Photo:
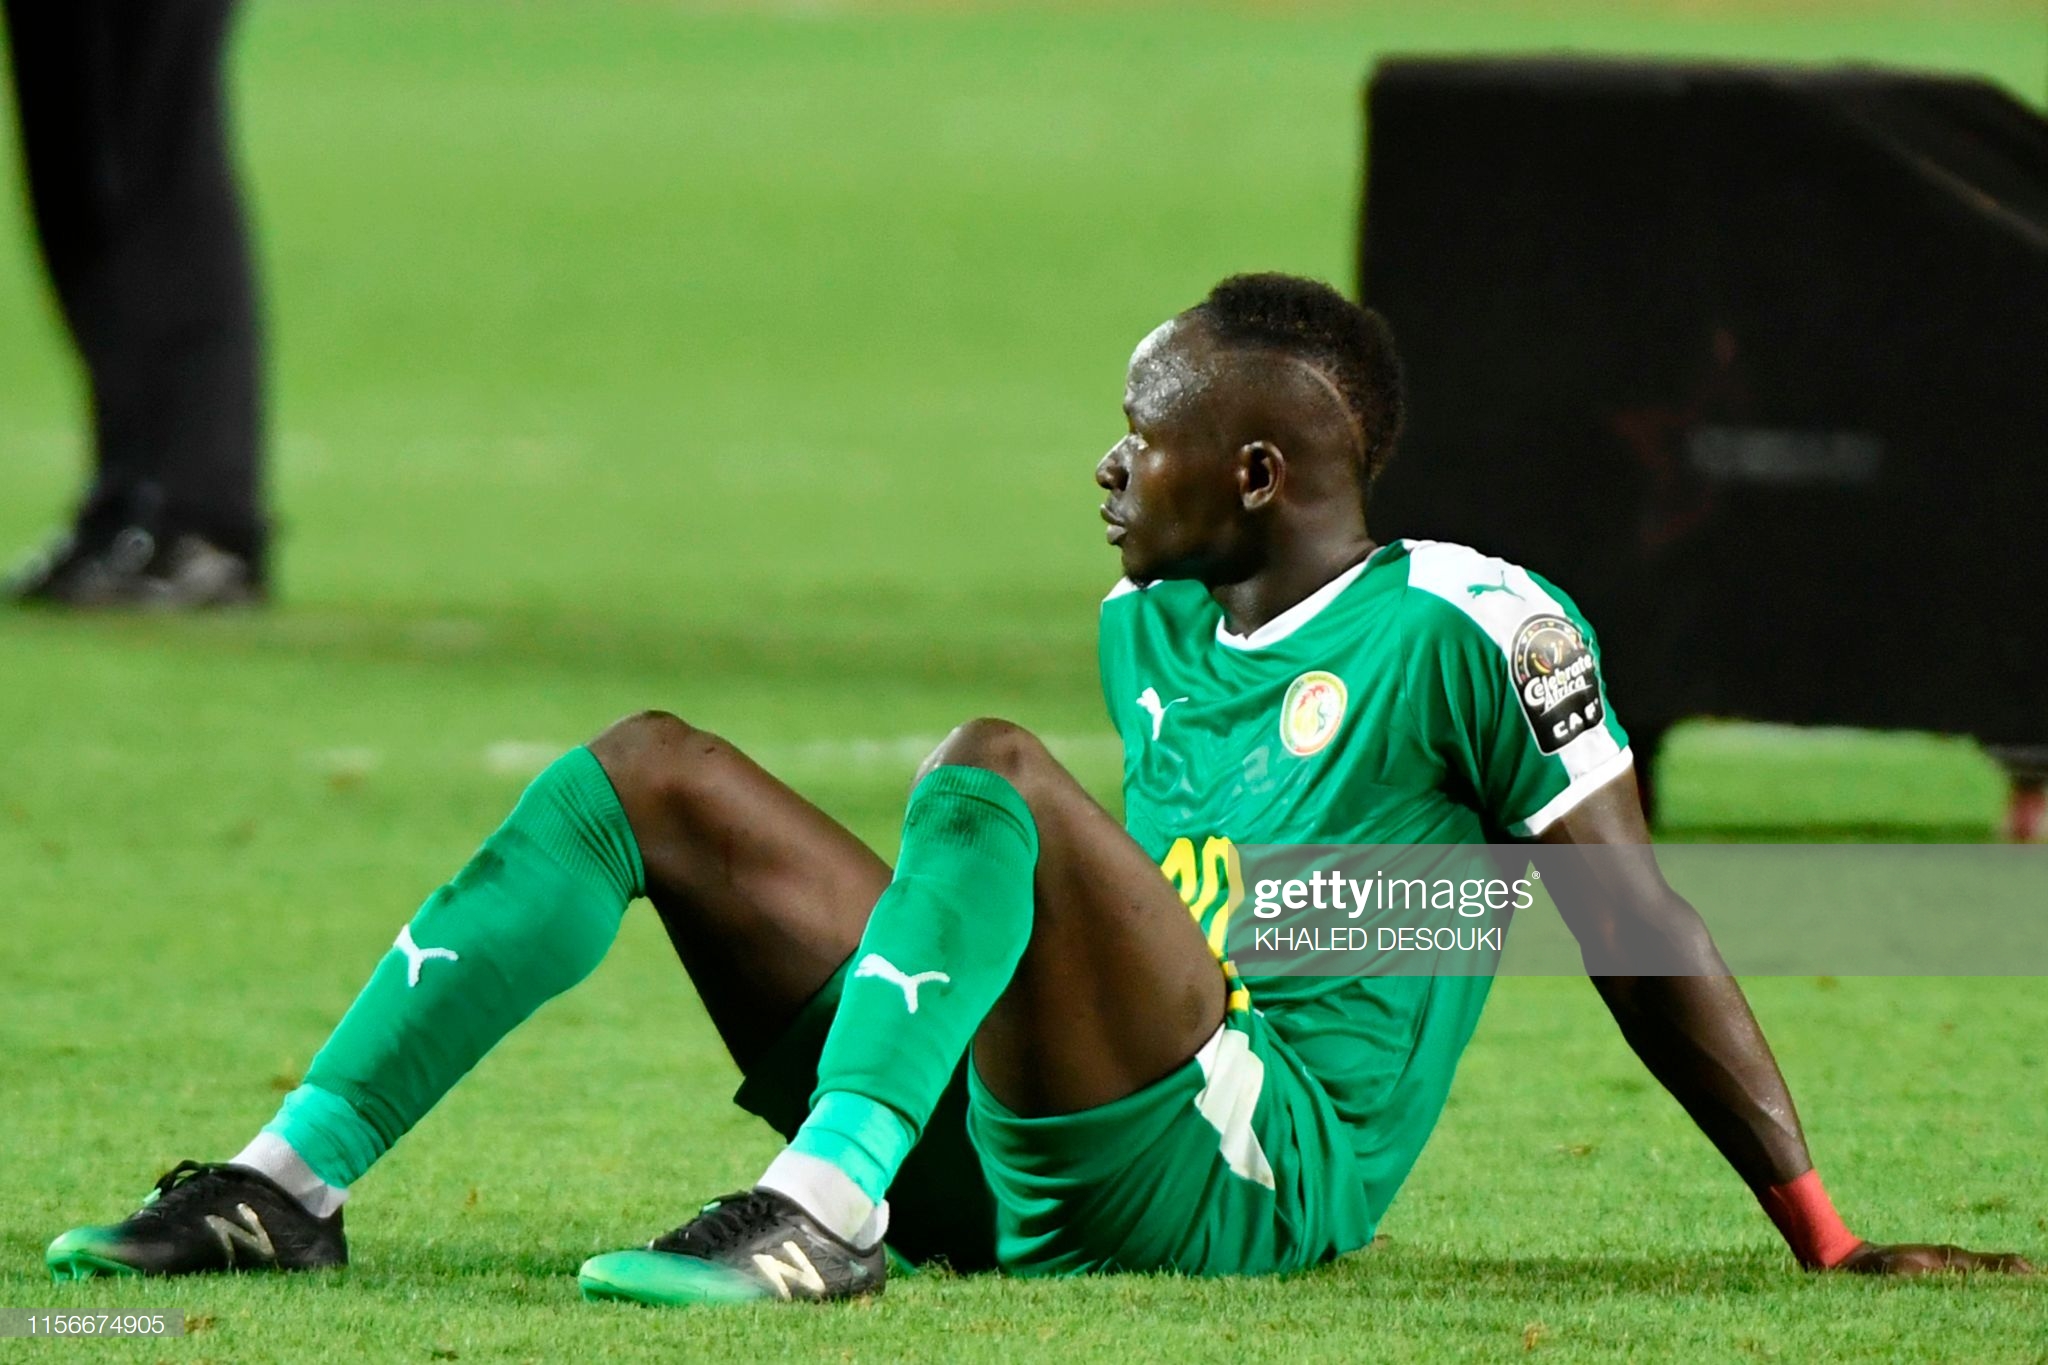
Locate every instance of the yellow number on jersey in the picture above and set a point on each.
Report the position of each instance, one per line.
(1211, 880)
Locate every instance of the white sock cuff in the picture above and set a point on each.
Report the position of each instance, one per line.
(829, 1195)
(279, 1160)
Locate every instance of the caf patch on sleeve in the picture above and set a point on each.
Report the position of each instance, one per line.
(1557, 680)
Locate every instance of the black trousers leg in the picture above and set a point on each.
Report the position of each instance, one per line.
(124, 137)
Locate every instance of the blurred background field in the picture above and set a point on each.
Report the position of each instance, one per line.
(752, 362)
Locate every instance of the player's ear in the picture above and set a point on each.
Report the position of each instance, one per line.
(1261, 470)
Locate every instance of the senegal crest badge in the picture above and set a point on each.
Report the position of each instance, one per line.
(1311, 712)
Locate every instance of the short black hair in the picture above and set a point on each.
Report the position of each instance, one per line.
(1352, 346)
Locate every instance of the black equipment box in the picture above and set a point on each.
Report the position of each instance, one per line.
(1751, 361)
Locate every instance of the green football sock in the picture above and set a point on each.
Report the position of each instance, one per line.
(941, 946)
(531, 915)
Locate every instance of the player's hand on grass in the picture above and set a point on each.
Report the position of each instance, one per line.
(1915, 1258)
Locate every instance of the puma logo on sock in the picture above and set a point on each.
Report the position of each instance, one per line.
(874, 964)
(416, 956)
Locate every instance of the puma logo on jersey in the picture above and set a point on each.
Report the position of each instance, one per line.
(1481, 589)
(874, 964)
(251, 1238)
(417, 957)
(1155, 708)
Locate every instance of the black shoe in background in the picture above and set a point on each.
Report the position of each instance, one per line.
(134, 568)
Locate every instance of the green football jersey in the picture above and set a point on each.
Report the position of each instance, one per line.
(1430, 695)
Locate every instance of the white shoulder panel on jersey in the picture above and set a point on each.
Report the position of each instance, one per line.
(1501, 598)
(1123, 587)
(1496, 594)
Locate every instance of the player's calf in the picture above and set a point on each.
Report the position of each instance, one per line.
(531, 914)
(1117, 985)
(762, 894)
(938, 949)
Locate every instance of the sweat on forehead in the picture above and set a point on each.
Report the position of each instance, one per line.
(1183, 360)
(1176, 362)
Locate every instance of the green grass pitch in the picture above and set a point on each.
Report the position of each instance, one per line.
(752, 364)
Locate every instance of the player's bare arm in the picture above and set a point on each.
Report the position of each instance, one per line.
(1697, 1035)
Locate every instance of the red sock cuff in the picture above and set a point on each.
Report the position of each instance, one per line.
(1807, 1220)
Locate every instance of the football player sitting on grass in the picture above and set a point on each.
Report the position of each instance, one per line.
(1019, 1048)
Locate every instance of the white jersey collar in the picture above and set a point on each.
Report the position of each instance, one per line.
(1298, 615)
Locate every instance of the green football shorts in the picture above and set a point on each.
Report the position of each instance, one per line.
(1235, 1164)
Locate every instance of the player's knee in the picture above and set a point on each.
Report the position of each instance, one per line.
(656, 756)
(641, 733)
(1004, 748)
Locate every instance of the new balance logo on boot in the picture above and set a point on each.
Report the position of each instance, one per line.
(787, 1265)
(247, 1234)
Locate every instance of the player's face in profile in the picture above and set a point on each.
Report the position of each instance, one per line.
(1173, 508)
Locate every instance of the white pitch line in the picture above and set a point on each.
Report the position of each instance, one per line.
(521, 757)
(449, 635)
(347, 762)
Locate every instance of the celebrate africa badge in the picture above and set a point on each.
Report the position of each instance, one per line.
(1311, 712)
